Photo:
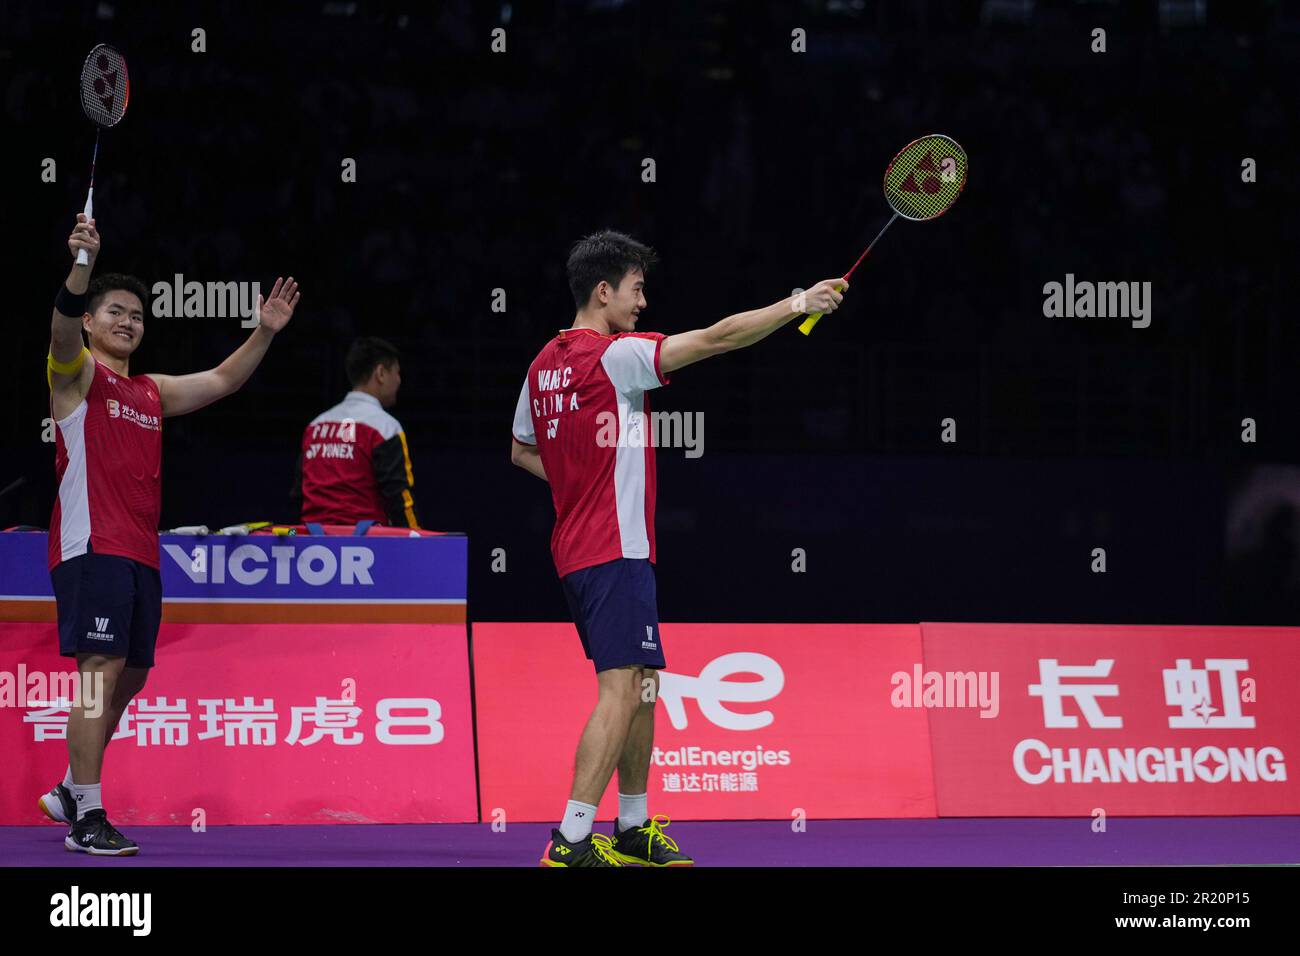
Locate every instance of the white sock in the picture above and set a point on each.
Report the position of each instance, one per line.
(578, 817)
(631, 810)
(67, 778)
(87, 797)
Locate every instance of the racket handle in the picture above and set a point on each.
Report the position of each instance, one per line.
(806, 326)
(82, 258)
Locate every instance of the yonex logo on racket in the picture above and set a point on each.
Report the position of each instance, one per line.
(933, 175)
(105, 84)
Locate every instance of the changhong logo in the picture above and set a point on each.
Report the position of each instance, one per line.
(206, 300)
(1190, 756)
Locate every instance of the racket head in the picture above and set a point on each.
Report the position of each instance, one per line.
(105, 86)
(926, 176)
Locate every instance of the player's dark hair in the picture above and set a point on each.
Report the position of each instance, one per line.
(606, 255)
(101, 286)
(364, 355)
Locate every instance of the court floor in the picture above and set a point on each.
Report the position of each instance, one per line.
(1194, 841)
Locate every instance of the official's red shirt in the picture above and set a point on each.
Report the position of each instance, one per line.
(355, 466)
(108, 460)
(584, 405)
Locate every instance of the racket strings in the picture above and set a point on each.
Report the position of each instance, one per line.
(926, 177)
(105, 86)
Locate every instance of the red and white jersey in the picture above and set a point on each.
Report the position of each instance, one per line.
(108, 459)
(356, 466)
(584, 405)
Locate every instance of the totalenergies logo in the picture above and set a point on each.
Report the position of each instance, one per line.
(712, 691)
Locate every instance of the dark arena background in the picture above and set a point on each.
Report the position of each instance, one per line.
(1093, 521)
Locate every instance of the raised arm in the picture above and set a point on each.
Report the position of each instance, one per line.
(745, 328)
(69, 374)
(181, 394)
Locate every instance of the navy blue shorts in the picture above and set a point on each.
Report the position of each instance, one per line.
(108, 605)
(616, 611)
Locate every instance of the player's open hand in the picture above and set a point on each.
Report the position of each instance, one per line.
(84, 237)
(275, 312)
(824, 297)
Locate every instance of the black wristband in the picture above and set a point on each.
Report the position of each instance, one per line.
(69, 303)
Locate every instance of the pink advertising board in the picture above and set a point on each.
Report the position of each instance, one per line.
(754, 721)
(261, 723)
(1128, 720)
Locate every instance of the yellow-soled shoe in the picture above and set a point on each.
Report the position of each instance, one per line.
(593, 851)
(647, 845)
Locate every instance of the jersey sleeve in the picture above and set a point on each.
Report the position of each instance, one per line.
(632, 362)
(391, 460)
(523, 427)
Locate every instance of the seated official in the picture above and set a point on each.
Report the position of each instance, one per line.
(354, 464)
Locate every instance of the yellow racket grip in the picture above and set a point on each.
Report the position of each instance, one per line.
(806, 326)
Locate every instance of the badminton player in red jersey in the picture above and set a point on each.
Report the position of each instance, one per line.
(579, 424)
(104, 531)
